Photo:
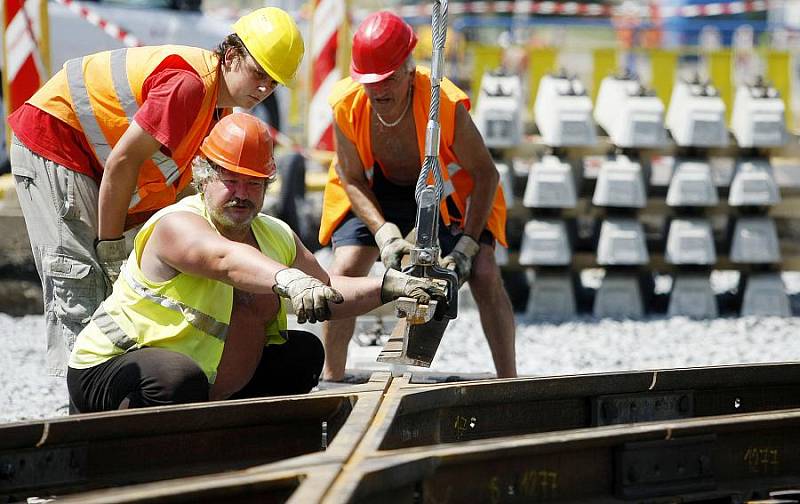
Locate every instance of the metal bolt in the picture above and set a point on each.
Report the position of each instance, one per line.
(7, 471)
(609, 410)
(705, 464)
(683, 404)
(633, 474)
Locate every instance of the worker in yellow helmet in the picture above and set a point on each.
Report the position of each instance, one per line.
(197, 314)
(108, 141)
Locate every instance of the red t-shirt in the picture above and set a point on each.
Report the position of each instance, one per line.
(172, 95)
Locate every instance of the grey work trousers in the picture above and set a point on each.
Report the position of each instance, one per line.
(60, 210)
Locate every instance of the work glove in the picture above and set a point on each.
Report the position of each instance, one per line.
(392, 245)
(460, 259)
(309, 296)
(111, 256)
(397, 284)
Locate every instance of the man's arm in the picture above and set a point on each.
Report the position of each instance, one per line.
(185, 242)
(354, 181)
(361, 294)
(119, 179)
(474, 157)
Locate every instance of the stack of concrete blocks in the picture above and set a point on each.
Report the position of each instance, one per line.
(758, 124)
(690, 239)
(563, 115)
(632, 117)
(696, 120)
(498, 116)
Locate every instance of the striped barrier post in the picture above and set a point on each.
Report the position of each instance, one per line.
(328, 20)
(25, 50)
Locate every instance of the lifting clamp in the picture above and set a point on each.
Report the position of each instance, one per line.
(420, 327)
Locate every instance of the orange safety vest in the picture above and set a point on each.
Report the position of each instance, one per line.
(351, 111)
(99, 95)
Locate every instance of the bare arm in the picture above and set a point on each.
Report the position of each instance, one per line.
(355, 184)
(186, 242)
(474, 157)
(119, 179)
(361, 294)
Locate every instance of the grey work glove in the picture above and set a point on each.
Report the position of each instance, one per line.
(392, 245)
(111, 256)
(460, 259)
(397, 284)
(309, 296)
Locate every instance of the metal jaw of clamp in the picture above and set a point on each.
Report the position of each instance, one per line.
(420, 327)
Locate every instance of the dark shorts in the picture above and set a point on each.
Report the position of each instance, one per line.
(399, 207)
(157, 377)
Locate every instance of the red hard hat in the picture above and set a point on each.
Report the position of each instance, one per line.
(381, 44)
(241, 143)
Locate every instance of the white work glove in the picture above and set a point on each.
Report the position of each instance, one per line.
(396, 284)
(392, 245)
(111, 256)
(460, 259)
(309, 296)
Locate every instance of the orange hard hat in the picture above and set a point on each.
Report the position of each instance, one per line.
(241, 143)
(381, 44)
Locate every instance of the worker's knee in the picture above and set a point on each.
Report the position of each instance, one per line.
(485, 281)
(306, 355)
(308, 348)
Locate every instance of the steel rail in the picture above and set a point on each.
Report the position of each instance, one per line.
(355, 443)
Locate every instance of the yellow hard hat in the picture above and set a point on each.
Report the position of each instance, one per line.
(272, 37)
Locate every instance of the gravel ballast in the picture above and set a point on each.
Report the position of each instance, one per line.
(583, 345)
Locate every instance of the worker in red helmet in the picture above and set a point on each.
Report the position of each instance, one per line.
(196, 313)
(380, 115)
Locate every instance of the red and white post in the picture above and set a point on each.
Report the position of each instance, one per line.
(329, 23)
(26, 50)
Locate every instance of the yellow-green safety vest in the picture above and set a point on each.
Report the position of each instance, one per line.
(187, 314)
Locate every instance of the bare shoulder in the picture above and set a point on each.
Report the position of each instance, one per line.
(181, 231)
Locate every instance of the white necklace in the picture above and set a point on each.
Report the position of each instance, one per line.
(402, 115)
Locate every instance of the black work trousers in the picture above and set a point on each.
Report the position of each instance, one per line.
(157, 377)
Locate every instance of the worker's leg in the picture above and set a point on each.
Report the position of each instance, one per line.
(137, 379)
(354, 261)
(494, 306)
(290, 368)
(60, 209)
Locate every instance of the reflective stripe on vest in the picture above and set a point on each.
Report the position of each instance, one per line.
(193, 316)
(91, 128)
(448, 186)
(111, 329)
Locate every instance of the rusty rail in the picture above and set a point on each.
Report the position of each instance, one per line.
(725, 433)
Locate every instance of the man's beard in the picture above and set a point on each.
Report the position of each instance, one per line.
(221, 219)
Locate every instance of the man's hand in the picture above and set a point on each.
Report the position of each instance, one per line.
(309, 296)
(460, 259)
(111, 256)
(392, 245)
(396, 284)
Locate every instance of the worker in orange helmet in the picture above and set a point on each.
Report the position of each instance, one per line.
(109, 140)
(196, 313)
(380, 115)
